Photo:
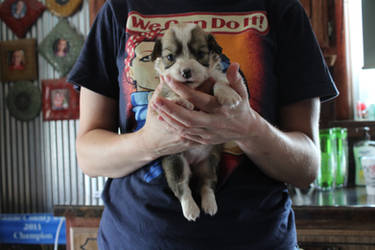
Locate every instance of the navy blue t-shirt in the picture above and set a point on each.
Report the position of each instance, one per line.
(282, 63)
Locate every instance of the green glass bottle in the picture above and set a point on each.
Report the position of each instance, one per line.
(327, 172)
(341, 156)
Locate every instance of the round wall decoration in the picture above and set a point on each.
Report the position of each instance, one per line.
(63, 8)
(24, 101)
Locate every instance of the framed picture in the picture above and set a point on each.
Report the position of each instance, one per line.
(60, 100)
(18, 60)
(61, 47)
(63, 8)
(20, 15)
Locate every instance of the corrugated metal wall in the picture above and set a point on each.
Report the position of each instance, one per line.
(38, 165)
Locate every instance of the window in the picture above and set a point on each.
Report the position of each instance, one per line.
(363, 79)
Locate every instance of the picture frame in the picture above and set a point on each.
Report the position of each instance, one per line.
(20, 15)
(63, 8)
(61, 47)
(18, 60)
(60, 100)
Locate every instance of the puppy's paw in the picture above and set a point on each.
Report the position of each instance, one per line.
(228, 97)
(209, 205)
(190, 209)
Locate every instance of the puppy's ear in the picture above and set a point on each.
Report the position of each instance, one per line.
(156, 52)
(213, 45)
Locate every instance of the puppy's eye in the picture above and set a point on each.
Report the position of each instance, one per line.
(201, 54)
(170, 57)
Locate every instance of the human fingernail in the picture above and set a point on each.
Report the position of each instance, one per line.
(238, 76)
(158, 103)
(169, 79)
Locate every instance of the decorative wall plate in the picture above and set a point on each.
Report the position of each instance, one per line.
(24, 101)
(62, 46)
(18, 60)
(20, 15)
(60, 100)
(63, 8)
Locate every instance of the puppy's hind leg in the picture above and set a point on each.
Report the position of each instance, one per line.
(207, 174)
(177, 172)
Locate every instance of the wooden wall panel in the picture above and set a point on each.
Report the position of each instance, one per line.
(319, 20)
(95, 6)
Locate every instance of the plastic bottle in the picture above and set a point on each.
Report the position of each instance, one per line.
(365, 147)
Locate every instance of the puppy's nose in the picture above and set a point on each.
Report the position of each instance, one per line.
(186, 73)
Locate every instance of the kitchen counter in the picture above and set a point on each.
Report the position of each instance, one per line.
(355, 197)
(342, 197)
(340, 219)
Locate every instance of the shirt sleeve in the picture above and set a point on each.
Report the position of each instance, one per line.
(95, 67)
(301, 67)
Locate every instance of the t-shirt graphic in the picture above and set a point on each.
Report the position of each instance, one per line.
(239, 34)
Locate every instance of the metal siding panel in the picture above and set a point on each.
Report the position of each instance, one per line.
(38, 163)
(72, 163)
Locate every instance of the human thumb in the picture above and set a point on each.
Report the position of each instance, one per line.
(235, 80)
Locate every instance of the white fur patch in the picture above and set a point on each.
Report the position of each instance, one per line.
(183, 33)
(209, 205)
(190, 209)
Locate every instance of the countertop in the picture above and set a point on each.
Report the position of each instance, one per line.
(303, 200)
(341, 219)
(341, 197)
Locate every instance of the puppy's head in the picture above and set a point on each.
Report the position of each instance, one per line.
(186, 53)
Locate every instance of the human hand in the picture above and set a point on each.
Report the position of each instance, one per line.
(212, 123)
(157, 136)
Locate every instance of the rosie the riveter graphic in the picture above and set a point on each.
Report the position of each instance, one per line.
(239, 34)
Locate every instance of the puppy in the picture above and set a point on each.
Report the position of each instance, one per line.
(188, 54)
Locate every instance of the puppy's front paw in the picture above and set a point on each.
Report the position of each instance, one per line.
(228, 97)
(190, 209)
(209, 205)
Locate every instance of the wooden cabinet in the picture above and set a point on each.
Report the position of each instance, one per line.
(320, 13)
(82, 223)
(83, 238)
(344, 228)
(327, 20)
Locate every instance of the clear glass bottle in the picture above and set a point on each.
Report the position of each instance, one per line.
(364, 147)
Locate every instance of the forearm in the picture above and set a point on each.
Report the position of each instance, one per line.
(290, 157)
(104, 153)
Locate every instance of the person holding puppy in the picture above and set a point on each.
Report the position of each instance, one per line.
(271, 136)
